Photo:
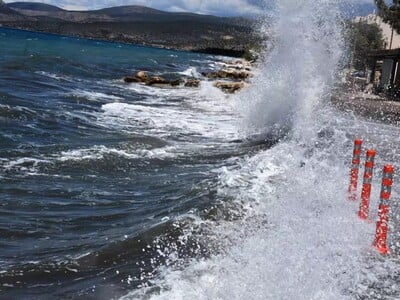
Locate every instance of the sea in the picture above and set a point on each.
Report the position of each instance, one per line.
(111, 190)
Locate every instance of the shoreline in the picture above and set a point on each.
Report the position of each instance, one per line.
(223, 39)
(372, 107)
(211, 51)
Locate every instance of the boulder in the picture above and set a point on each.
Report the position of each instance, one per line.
(229, 86)
(176, 82)
(192, 83)
(156, 80)
(160, 81)
(130, 79)
(229, 73)
(238, 65)
(142, 76)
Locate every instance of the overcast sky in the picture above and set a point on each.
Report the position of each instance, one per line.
(215, 7)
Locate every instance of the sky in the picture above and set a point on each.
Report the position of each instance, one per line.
(214, 7)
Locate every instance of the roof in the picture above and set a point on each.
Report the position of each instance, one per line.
(382, 54)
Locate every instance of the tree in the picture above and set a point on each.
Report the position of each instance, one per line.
(364, 38)
(390, 13)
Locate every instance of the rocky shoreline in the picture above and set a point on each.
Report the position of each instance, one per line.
(230, 78)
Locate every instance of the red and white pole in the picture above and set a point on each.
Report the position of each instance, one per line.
(366, 189)
(382, 225)
(355, 166)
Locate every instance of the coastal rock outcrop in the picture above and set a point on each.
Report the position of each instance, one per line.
(131, 79)
(234, 74)
(143, 77)
(192, 82)
(230, 86)
(228, 73)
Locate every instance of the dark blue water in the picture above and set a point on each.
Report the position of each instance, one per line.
(93, 170)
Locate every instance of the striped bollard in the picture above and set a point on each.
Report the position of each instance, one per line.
(355, 166)
(382, 225)
(366, 189)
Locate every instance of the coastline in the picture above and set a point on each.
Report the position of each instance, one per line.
(197, 40)
(369, 106)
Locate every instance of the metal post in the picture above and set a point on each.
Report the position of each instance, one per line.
(382, 225)
(366, 189)
(354, 170)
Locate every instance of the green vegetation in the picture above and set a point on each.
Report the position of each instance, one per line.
(253, 50)
(364, 38)
(390, 13)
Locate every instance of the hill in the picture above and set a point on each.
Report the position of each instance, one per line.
(8, 14)
(127, 13)
(138, 25)
(34, 6)
(5, 10)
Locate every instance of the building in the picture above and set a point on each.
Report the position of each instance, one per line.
(390, 36)
(385, 68)
(385, 64)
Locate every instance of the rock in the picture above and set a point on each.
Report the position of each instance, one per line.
(130, 79)
(229, 73)
(192, 83)
(235, 74)
(156, 80)
(142, 76)
(229, 87)
(176, 82)
(160, 81)
(238, 65)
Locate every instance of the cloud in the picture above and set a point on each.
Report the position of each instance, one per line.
(215, 7)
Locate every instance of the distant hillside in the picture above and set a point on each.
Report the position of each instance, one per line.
(138, 25)
(135, 13)
(34, 6)
(5, 10)
(46, 12)
(129, 13)
(123, 11)
(8, 14)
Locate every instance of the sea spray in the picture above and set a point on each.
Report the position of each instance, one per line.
(298, 68)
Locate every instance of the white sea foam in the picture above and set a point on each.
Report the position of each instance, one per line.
(299, 237)
(99, 152)
(57, 76)
(205, 112)
(166, 121)
(94, 96)
(191, 72)
(24, 163)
